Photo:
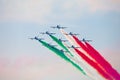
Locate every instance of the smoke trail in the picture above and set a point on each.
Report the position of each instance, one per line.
(94, 64)
(64, 46)
(103, 62)
(87, 68)
(98, 58)
(71, 57)
(61, 54)
(67, 37)
(60, 43)
(73, 42)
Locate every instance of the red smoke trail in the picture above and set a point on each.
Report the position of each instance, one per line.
(80, 43)
(103, 62)
(94, 64)
(98, 58)
(92, 56)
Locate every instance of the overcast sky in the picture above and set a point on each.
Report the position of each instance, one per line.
(23, 59)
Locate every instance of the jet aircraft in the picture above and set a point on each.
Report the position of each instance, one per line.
(58, 27)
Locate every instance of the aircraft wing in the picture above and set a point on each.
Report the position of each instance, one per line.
(53, 27)
(88, 40)
(52, 33)
(63, 27)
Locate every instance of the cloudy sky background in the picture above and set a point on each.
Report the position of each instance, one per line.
(23, 59)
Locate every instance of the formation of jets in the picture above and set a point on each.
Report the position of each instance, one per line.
(58, 27)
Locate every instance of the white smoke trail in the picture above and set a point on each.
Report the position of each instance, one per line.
(73, 42)
(90, 70)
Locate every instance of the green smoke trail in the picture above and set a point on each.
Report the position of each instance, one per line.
(61, 54)
(60, 43)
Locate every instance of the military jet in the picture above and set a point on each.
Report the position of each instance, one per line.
(58, 27)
